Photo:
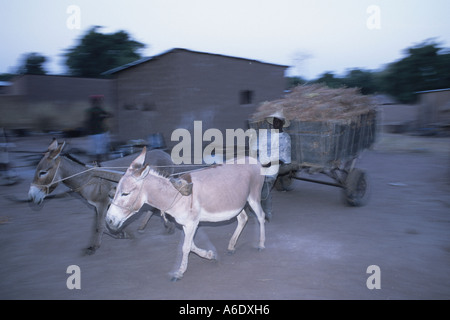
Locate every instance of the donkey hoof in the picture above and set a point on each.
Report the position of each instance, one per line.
(170, 229)
(128, 235)
(231, 252)
(211, 255)
(90, 251)
(176, 276)
(260, 249)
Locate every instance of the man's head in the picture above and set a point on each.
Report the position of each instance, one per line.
(96, 100)
(278, 120)
(278, 123)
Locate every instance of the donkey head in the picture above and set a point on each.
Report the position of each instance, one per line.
(128, 198)
(46, 173)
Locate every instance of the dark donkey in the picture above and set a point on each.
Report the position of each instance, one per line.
(95, 184)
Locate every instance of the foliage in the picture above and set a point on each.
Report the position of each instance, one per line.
(363, 79)
(97, 52)
(424, 68)
(328, 78)
(295, 81)
(32, 63)
(6, 76)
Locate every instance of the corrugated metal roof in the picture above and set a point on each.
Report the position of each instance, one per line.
(137, 62)
(126, 66)
(437, 90)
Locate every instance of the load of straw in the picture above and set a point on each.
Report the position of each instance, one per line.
(317, 103)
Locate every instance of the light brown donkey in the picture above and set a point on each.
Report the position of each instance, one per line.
(219, 193)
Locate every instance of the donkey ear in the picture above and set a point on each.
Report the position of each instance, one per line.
(143, 173)
(53, 145)
(54, 153)
(139, 161)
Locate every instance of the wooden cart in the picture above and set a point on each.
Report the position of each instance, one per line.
(330, 148)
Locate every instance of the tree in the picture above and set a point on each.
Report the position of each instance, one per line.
(97, 52)
(425, 67)
(6, 76)
(329, 80)
(295, 81)
(363, 79)
(32, 64)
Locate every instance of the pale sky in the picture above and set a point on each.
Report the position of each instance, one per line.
(327, 35)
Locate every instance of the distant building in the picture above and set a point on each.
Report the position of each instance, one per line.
(153, 95)
(49, 102)
(434, 107)
(172, 90)
(4, 87)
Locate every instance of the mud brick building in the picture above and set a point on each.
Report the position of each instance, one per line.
(172, 90)
(153, 95)
(51, 102)
(434, 108)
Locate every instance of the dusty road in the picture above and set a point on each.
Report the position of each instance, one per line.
(316, 247)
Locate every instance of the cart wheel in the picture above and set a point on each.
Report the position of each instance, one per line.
(356, 188)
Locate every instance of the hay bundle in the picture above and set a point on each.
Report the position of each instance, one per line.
(317, 103)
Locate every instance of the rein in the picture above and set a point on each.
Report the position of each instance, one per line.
(47, 186)
(130, 207)
(53, 182)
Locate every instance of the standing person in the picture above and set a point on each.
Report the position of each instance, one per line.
(8, 175)
(96, 128)
(273, 162)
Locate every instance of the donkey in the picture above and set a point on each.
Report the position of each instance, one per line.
(93, 184)
(219, 193)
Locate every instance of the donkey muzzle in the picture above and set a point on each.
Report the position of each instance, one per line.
(36, 195)
(113, 220)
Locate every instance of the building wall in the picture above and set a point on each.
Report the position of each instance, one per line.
(14, 112)
(212, 87)
(434, 107)
(180, 87)
(43, 102)
(147, 98)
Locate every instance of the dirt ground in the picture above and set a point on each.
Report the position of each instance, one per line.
(316, 246)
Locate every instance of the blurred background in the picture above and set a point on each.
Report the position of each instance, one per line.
(160, 65)
(108, 77)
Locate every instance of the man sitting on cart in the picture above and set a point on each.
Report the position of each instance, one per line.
(275, 163)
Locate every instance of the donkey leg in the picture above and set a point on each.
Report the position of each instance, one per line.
(242, 220)
(189, 231)
(169, 225)
(100, 214)
(207, 254)
(256, 206)
(147, 215)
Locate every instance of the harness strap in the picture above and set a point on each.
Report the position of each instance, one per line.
(47, 186)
